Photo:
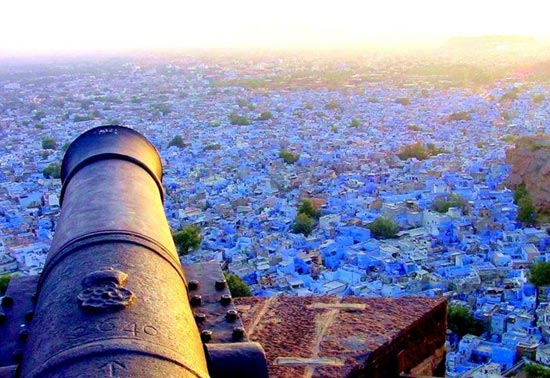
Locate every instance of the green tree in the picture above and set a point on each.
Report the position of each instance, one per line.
(4, 281)
(82, 118)
(39, 115)
(289, 157)
(177, 141)
(95, 114)
(510, 95)
(49, 143)
(539, 273)
(403, 101)
(245, 104)
(520, 192)
(383, 228)
(52, 171)
(308, 208)
(415, 150)
(303, 224)
(162, 108)
(461, 321)
(237, 286)
(506, 116)
(212, 147)
(355, 123)
(265, 116)
(527, 212)
(443, 204)
(459, 116)
(188, 239)
(536, 371)
(538, 98)
(238, 120)
(333, 105)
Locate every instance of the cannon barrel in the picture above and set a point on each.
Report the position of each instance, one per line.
(112, 298)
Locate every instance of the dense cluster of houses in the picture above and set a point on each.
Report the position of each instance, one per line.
(230, 180)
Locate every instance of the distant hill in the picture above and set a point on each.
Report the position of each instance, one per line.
(486, 42)
(530, 160)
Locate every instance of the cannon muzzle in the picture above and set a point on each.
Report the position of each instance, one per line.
(112, 300)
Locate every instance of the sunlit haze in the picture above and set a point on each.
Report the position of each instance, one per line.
(74, 26)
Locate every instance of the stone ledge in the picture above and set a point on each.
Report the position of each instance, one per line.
(347, 337)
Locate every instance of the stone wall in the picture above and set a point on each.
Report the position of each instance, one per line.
(348, 337)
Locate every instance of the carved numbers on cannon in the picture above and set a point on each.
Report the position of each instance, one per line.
(117, 326)
(104, 291)
(112, 369)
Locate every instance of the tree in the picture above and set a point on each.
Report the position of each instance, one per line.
(539, 273)
(82, 118)
(527, 212)
(415, 150)
(538, 98)
(48, 144)
(459, 116)
(510, 95)
(333, 105)
(162, 108)
(403, 101)
(39, 115)
(245, 104)
(4, 281)
(443, 204)
(177, 141)
(265, 116)
(308, 208)
(303, 224)
(237, 286)
(238, 120)
(355, 123)
(289, 157)
(95, 114)
(520, 192)
(52, 171)
(188, 238)
(383, 228)
(536, 371)
(461, 321)
(212, 147)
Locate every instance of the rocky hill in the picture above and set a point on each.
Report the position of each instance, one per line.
(530, 160)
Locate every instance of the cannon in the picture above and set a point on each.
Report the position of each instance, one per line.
(113, 299)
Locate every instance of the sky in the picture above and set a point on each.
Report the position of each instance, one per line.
(43, 26)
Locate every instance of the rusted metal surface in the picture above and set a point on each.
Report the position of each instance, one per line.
(16, 312)
(212, 312)
(112, 299)
(229, 352)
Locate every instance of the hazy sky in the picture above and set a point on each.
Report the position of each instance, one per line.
(35, 26)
